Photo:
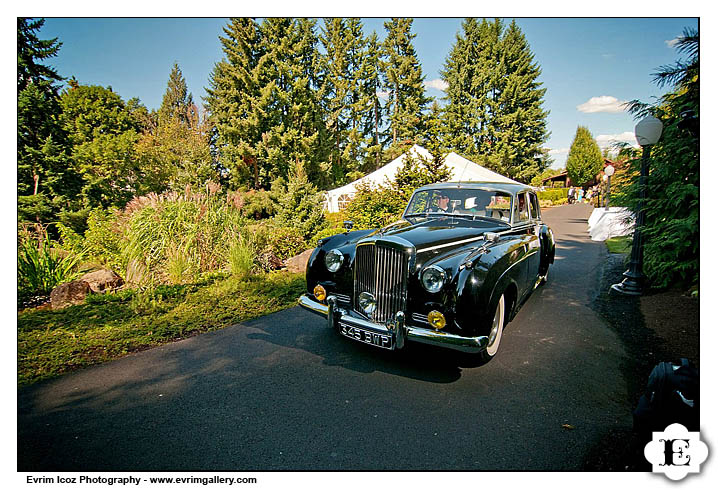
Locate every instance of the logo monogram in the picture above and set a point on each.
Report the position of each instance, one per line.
(676, 452)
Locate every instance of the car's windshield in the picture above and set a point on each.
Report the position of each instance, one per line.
(462, 202)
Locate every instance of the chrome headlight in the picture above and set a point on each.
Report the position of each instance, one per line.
(333, 260)
(433, 278)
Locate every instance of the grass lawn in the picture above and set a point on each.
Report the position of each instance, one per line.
(620, 244)
(111, 325)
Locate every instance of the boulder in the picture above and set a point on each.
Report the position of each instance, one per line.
(69, 293)
(298, 263)
(102, 280)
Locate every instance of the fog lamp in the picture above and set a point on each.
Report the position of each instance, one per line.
(319, 292)
(367, 302)
(437, 320)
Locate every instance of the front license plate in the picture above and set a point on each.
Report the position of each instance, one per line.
(366, 336)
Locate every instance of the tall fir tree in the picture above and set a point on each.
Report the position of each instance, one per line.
(358, 104)
(372, 115)
(404, 82)
(584, 160)
(46, 181)
(177, 102)
(263, 101)
(233, 100)
(494, 111)
(336, 92)
(174, 151)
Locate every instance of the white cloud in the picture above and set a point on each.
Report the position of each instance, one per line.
(604, 103)
(382, 94)
(671, 43)
(607, 140)
(437, 83)
(558, 151)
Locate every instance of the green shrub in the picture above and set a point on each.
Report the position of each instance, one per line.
(375, 207)
(41, 267)
(285, 242)
(70, 239)
(256, 204)
(553, 195)
(103, 239)
(300, 206)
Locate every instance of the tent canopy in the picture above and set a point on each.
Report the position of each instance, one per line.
(461, 170)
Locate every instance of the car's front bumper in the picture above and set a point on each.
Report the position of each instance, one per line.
(399, 331)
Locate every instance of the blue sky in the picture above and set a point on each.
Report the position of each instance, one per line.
(588, 65)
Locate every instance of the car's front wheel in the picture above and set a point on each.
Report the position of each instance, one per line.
(496, 332)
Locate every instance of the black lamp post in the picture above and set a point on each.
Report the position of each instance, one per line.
(607, 172)
(648, 132)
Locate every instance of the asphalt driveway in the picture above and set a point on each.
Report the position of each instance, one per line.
(284, 392)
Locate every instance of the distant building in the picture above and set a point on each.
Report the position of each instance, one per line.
(562, 180)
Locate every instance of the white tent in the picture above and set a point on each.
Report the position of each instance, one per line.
(461, 170)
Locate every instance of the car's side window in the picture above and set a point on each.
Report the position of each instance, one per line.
(533, 201)
(521, 208)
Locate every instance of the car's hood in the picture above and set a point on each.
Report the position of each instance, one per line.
(431, 232)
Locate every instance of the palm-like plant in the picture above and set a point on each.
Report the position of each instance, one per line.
(40, 267)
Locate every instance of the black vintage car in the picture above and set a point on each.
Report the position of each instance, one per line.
(452, 272)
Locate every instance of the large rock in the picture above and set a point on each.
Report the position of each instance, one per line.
(298, 263)
(69, 293)
(102, 280)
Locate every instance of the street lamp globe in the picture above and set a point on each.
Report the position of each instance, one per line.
(648, 131)
(609, 170)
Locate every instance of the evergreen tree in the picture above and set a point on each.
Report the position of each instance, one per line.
(404, 82)
(292, 137)
(233, 100)
(30, 50)
(372, 112)
(300, 205)
(46, 184)
(358, 103)
(263, 102)
(174, 150)
(494, 109)
(336, 92)
(584, 160)
(177, 102)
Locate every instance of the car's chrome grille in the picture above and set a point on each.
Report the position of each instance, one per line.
(381, 271)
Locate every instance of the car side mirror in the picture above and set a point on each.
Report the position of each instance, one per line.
(348, 225)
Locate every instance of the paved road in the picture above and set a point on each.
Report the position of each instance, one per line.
(284, 392)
